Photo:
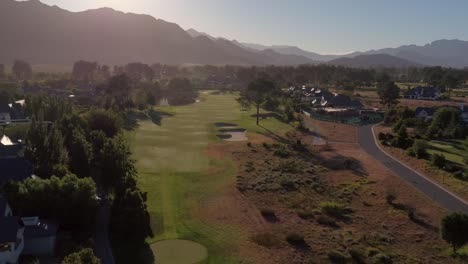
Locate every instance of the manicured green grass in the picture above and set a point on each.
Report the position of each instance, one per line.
(452, 150)
(178, 176)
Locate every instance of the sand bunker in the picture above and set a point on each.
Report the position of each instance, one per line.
(231, 132)
(178, 252)
(225, 125)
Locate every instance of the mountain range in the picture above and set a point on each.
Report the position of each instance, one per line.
(42, 34)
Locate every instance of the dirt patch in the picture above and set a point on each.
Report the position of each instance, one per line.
(291, 183)
(179, 252)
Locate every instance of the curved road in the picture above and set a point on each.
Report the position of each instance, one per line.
(436, 192)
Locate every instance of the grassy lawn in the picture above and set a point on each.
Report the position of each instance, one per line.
(178, 176)
(452, 150)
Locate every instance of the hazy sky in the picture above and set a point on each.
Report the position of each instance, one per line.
(325, 26)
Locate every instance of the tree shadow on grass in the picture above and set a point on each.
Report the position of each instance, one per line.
(340, 162)
(273, 135)
(128, 252)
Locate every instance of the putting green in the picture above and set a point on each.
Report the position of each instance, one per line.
(178, 252)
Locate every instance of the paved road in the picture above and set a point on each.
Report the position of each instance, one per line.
(102, 243)
(436, 192)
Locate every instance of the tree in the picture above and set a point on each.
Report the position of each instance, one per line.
(454, 230)
(256, 94)
(22, 70)
(420, 148)
(80, 154)
(2, 71)
(84, 256)
(70, 200)
(131, 202)
(84, 70)
(389, 93)
(114, 164)
(438, 160)
(446, 123)
(138, 71)
(181, 91)
(118, 90)
(104, 120)
(46, 151)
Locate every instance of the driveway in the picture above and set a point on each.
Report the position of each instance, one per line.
(436, 192)
(102, 243)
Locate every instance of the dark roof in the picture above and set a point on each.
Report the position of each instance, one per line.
(43, 229)
(9, 227)
(4, 108)
(3, 205)
(429, 110)
(424, 91)
(15, 169)
(344, 101)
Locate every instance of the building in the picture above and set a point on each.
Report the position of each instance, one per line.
(39, 236)
(425, 113)
(423, 93)
(27, 235)
(5, 116)
(14, 167)
(11, 239)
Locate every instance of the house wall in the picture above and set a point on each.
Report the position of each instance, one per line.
(12, 256)
(5, 117)
(43, 246)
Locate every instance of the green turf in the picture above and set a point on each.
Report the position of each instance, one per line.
(172, 167)
(452, 150)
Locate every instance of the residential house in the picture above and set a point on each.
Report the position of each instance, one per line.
(464, 113)
(14, 167)
(425, 113)
(5, 116)
(27, 235)
(423, 93)
(11, 239)
(40, 236)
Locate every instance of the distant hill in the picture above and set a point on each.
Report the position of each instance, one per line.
(291, 50)
(449, 53)
(42, 34)
(373, 61)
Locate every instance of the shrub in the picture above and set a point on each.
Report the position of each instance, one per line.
(454, 230)
(295, 239)
(337, 257)
(282, 153)
(420, 148)
(382, 136)
(382, 258)
(334, 209)
(266, 240)
(390, 197)
(84, 256)
(438, 160)
(357, 256)
(267, 212)
(266, 145)
(305, 214)
(326, 221)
